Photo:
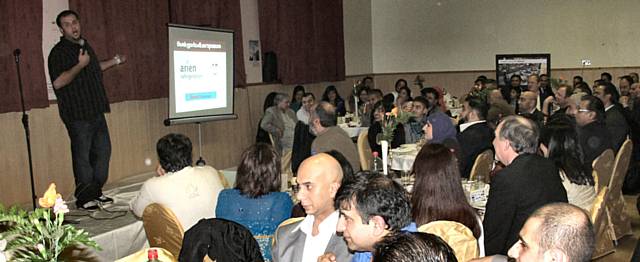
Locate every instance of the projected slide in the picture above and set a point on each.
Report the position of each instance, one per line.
(200, 74)
(200, 80)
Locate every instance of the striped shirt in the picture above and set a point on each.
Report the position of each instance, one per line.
(84, 98)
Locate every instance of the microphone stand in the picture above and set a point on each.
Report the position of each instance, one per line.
(25, 124)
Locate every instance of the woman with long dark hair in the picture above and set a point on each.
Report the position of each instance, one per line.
(255, 201)
(377, 122)
(558, 142)
(331, 95)
(296, 98)
(437, 192)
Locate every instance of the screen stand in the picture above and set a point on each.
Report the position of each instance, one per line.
(200, 161)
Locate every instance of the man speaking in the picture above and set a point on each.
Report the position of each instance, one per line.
(76, 75)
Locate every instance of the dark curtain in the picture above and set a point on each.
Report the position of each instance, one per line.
(21, 27)
(136, 29)
(224, 14)
(307, 38)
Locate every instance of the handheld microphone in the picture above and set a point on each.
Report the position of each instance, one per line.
(16, 55)
(81, 43)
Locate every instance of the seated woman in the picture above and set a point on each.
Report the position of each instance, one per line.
(255, 201)
(558, 142)
(296, 101)
(375, 129)
(439, 129)
(188, 191)
(331, 95)
(438, 194)
(280, 121)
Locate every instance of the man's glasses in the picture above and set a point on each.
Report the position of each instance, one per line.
(584, 110)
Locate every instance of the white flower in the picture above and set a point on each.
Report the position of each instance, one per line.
(3, 245)
(60, 206)
(40, 248)
(3, 258)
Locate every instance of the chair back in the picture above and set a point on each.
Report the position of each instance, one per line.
(285, 166)
(599, 218)
(620, 221)
(142, 255)
(163, 228)
(223, 179)
(602, 169)
(482, 166)
(458, 236)
(364, 151)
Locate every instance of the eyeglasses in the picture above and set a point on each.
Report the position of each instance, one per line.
(584, 110)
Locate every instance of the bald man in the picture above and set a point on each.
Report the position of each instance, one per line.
(319, 179)
(527, 107)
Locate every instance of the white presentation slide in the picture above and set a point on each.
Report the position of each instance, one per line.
(200, 81)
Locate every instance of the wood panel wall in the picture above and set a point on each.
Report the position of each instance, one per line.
(135, 126)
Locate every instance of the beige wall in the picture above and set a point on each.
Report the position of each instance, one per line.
(458, 35)
(357, 37)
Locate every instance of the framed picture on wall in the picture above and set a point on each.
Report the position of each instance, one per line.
(523, 65)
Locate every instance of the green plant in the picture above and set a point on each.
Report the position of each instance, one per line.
(390, 123)
(40, 235)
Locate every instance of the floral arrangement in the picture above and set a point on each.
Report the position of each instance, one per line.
(39, 235)
(390, 122)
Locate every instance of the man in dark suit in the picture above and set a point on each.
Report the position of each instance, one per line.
(528, 182)
(319, 179)
(614, 116)
(527, 108)
(593, 135)
(475, 134)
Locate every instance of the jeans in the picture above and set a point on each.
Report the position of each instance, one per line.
(91, 152)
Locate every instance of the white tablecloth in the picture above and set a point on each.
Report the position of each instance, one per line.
(353, 131)
(403, 161)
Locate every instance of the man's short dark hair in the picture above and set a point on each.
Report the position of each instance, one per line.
(421, 100)
(610, 89)
(376, 92)
(628, 78)
(606, 75)
(522, 134)
(326, 113)
(579, 78)
(65, 13)
(479, 106)
(374, 194)
(595, 105)
(309, 94)
(430, 90)
(259, 171)
(565, 227)
(413, 247)
(515, 76)
(584, 87)
(174, 152)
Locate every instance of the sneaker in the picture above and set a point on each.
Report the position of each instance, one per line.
(104, 199)
(91, 205)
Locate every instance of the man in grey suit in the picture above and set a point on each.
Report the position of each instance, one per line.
(319, 178)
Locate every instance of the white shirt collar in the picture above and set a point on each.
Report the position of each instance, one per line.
(467, 125)
(327, 226)
(609, 107)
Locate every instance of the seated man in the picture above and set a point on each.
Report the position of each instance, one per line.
(554, 232)
(371, 207)
(475, 134)
(329, 137)
(527, 108)
(593, 136)
(190, 192)
(413, 128)
(528, 182)
(614, 117)
(308, 103)
(319, 179)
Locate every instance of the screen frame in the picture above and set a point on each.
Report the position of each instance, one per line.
(522, 73)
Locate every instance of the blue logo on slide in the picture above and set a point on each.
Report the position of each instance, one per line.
(201, 96)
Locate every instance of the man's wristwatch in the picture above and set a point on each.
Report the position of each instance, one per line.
(117, 58)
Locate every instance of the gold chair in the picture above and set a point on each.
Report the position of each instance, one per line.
(364, 151)
(286, 172)
(284, 223)
(600, 220)
(620, 222)
(223, 179)
(458, 236)
(163, 228)
(602, 169)
(482, 166)
(142, 256)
